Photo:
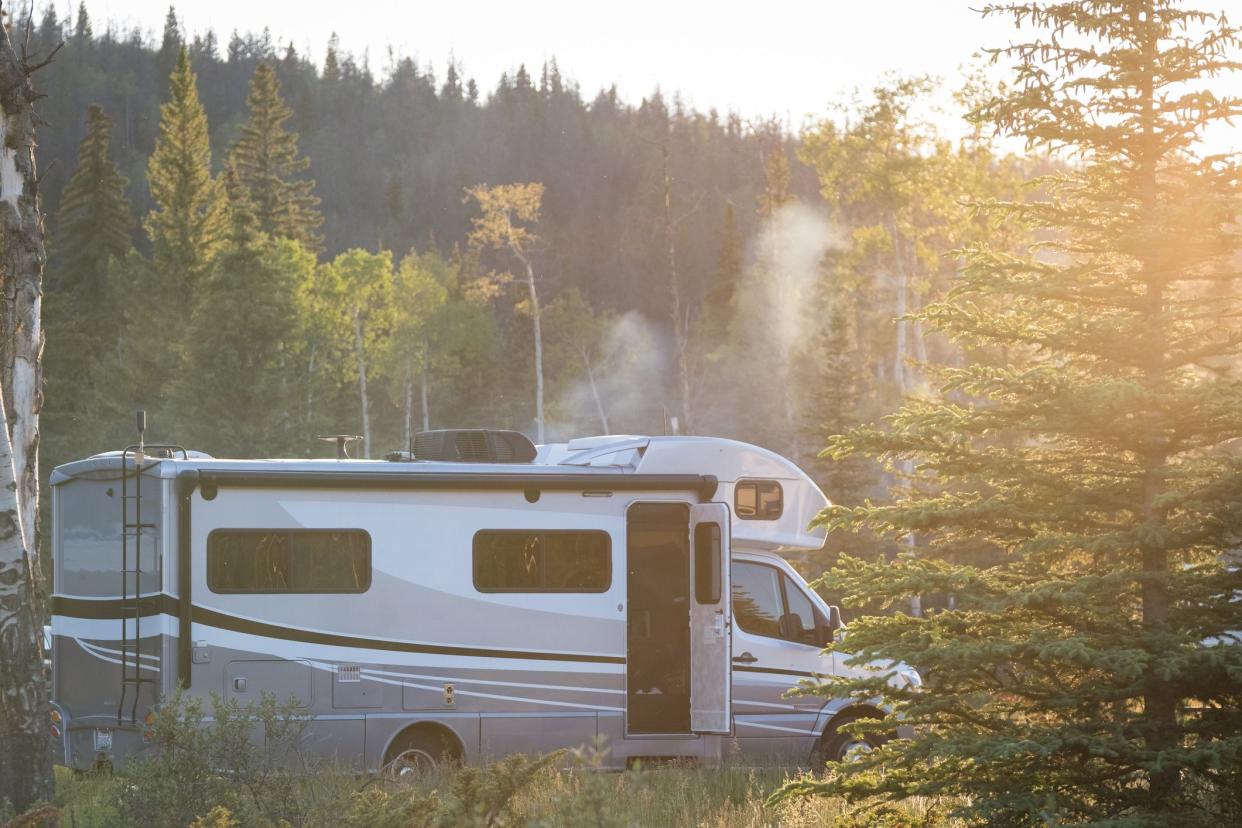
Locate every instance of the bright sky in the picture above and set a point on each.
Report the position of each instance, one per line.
(789, 58)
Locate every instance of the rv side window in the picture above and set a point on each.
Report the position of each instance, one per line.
(542, 561)
(758, 499)
(288, 561)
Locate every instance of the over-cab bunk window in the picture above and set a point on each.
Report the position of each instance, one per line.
(288, 560)
(542, 561)
(758, 499)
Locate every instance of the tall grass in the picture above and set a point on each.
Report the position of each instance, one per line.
(237, 767)
(672, 796)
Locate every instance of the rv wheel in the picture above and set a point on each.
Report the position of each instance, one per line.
(836, 746)
(418, 751)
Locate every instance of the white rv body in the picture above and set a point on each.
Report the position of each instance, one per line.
(631, 634)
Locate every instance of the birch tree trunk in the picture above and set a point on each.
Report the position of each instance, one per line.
(423, 390)
(25, 763)
(22, 256)
(25, 766)
(310, 388)
(536, 325)
(409, 405)
(360, 350)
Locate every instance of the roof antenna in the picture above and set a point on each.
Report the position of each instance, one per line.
(141, 418)
(342, 443)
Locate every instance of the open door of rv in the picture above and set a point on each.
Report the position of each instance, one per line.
(711, 617)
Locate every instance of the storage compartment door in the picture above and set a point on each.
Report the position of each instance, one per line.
(711, 670)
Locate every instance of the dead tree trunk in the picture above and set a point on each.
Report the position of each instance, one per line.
(681, 326)
(25, 769)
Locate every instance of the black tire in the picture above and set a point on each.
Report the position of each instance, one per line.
(837, 746)
(420, 750)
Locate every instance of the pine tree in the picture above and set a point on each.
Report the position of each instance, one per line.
(451, 91)
(80, 314)
(189, 221)
(82, 31)
(331, 62)
(170, 41)
(240, 393)
(265, 158)
(94, 218)
(1080, 680)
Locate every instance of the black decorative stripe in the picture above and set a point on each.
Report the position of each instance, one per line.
(742, 668)
(167, 604)
(113, 608)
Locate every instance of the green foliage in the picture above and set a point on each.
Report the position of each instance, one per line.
(80, 306)
(240, 392)
(190, 220)
(1084, 449)
(240, 762)
(93, 221)
(474, 797)
(266, 160)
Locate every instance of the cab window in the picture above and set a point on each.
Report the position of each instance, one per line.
(767, 602)
(757, 599)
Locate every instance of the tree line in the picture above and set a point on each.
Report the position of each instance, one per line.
(281, 250)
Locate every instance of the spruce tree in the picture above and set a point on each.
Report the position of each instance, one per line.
(1083, 679)
(265, 158)
(189, 221)
(80, 314)
(82, 31)
(94, 220)
(241, 392)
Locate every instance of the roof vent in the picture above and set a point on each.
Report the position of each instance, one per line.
(475, 445)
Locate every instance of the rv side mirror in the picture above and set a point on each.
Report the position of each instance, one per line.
(828, 629)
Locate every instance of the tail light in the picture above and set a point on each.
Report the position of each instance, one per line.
(54, 715)
(55, 731)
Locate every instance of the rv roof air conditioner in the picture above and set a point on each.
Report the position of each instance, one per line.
(477, 445)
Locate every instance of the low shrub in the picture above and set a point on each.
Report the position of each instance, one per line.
(243, 759)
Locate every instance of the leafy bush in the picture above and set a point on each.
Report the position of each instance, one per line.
(476, 797)
(244, 760)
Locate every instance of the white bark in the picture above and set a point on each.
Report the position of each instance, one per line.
(409, 405)
(423, 390)
(25, 767)
(310, 388)
(538, 331)
(360, 350)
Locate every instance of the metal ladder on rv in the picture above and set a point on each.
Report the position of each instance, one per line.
(131, 569)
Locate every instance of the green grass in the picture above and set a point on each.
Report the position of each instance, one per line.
(728, 797)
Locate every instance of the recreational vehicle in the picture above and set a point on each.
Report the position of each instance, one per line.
(476, 597)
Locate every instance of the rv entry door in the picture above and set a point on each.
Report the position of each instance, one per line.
(711, 673)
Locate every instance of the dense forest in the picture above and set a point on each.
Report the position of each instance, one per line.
(259, 250)
(1017, 378)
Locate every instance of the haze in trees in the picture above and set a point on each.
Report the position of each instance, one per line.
(1084, 445)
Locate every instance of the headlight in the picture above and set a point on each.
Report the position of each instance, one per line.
(911, 677)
